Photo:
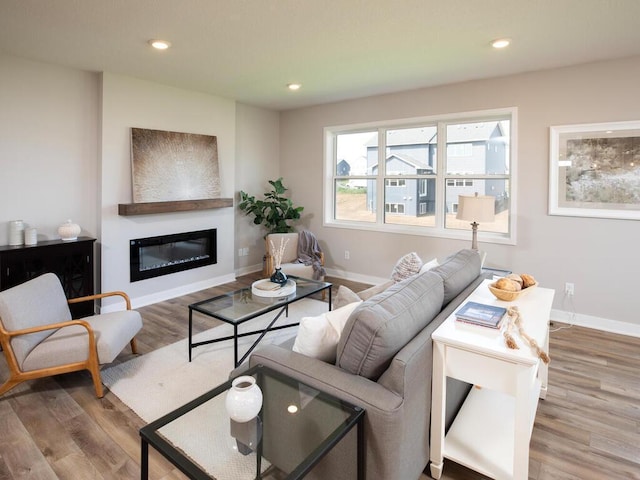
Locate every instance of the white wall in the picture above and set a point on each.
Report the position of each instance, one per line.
(257, 161)
(48, 147)
(126, 103)
(64, 153)
(598, 255)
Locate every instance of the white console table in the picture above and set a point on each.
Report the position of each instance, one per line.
(492, 431)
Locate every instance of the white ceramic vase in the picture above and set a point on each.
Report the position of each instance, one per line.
(16, 232)
(244, 399)
(69, 231)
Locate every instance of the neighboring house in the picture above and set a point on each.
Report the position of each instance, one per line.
(475, 149)
(343, 168)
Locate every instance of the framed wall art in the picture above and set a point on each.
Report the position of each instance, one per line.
(168, 166)
(595, 170)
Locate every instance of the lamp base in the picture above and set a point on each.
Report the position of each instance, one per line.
(474, 236)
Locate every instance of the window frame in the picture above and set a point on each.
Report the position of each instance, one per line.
(440, 175)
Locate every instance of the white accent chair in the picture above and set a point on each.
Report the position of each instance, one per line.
(289, 265)
(39, 338)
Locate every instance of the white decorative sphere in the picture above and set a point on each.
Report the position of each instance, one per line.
(244, 399)
(69, 231)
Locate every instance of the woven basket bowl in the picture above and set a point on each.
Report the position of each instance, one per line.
(507, 295)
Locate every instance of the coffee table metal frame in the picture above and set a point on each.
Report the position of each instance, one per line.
(149, 434)
(304, 288)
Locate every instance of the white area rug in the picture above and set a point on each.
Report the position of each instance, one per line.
(163, 380)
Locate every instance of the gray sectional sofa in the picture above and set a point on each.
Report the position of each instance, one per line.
(384, 365)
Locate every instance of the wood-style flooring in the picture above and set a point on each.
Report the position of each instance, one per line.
(587, 428)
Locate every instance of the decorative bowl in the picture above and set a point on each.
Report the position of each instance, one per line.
(507, 295)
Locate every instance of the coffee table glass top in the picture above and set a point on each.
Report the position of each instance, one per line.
(295, 428)
(241, 305)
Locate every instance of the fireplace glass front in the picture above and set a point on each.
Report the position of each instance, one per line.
(154, 256)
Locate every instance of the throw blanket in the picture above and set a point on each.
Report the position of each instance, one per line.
(309, 253)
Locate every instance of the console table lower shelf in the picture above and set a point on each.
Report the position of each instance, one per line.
(482, 436)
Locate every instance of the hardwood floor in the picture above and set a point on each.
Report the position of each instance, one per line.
(587, 428)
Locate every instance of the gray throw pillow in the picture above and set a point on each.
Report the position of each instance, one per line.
(382, 325)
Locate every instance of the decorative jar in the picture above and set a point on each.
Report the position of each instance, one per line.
(244, 399)
(69, 231)
(16, 232)
(279, 277)
(30, 236)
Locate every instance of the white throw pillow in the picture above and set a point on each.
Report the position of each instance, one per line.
(318, 336)
(429, 265)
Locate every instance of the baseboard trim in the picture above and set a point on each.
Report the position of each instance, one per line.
(356, 277)
(596, 323)
(172, 293)
(249, 269)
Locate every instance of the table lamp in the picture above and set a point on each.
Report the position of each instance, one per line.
(475, 208)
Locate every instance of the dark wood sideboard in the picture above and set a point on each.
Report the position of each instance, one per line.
(72, 261)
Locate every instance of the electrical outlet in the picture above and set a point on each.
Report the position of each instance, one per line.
(346, 254)
(245, 251)
(239, 252)
(569, 289)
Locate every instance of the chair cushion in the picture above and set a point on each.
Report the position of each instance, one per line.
(40, 301)
(113, 332)
(298, 269)
(382, 325)
(290, 245)
(458, 271)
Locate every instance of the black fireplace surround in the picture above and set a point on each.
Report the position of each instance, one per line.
(155, 256)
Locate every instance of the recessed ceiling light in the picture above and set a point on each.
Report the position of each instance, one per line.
(159, 44)
(501, 43)
(294, 86)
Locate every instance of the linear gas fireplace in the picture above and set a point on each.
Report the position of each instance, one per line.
(154, 256)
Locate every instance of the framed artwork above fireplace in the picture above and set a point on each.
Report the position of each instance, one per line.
(172, 166)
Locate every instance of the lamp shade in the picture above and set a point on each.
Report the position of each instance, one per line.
(476, 208)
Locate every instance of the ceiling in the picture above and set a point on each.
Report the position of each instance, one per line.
(249, 50)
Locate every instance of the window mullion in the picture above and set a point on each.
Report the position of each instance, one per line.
(382, 167)
(441, 174)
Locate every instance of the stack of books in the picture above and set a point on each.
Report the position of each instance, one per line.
(479, 314)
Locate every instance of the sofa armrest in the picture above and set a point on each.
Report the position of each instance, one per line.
(328, 378)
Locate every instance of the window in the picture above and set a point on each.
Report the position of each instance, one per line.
(406, 176)
(394, 208)
(459, 149)
(395, 182)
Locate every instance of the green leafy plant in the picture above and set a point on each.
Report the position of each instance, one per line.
(275, 212)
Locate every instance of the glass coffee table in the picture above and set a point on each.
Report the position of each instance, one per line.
(240, 306)
(296, 427)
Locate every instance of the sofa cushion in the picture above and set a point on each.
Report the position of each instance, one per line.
(379, 327)
(458, 271)
(318, 336)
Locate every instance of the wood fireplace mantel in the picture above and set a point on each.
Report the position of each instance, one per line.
(149, 208)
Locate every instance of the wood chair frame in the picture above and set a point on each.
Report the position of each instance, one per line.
(16, 375)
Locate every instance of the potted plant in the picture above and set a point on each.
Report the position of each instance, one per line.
(275, 212)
